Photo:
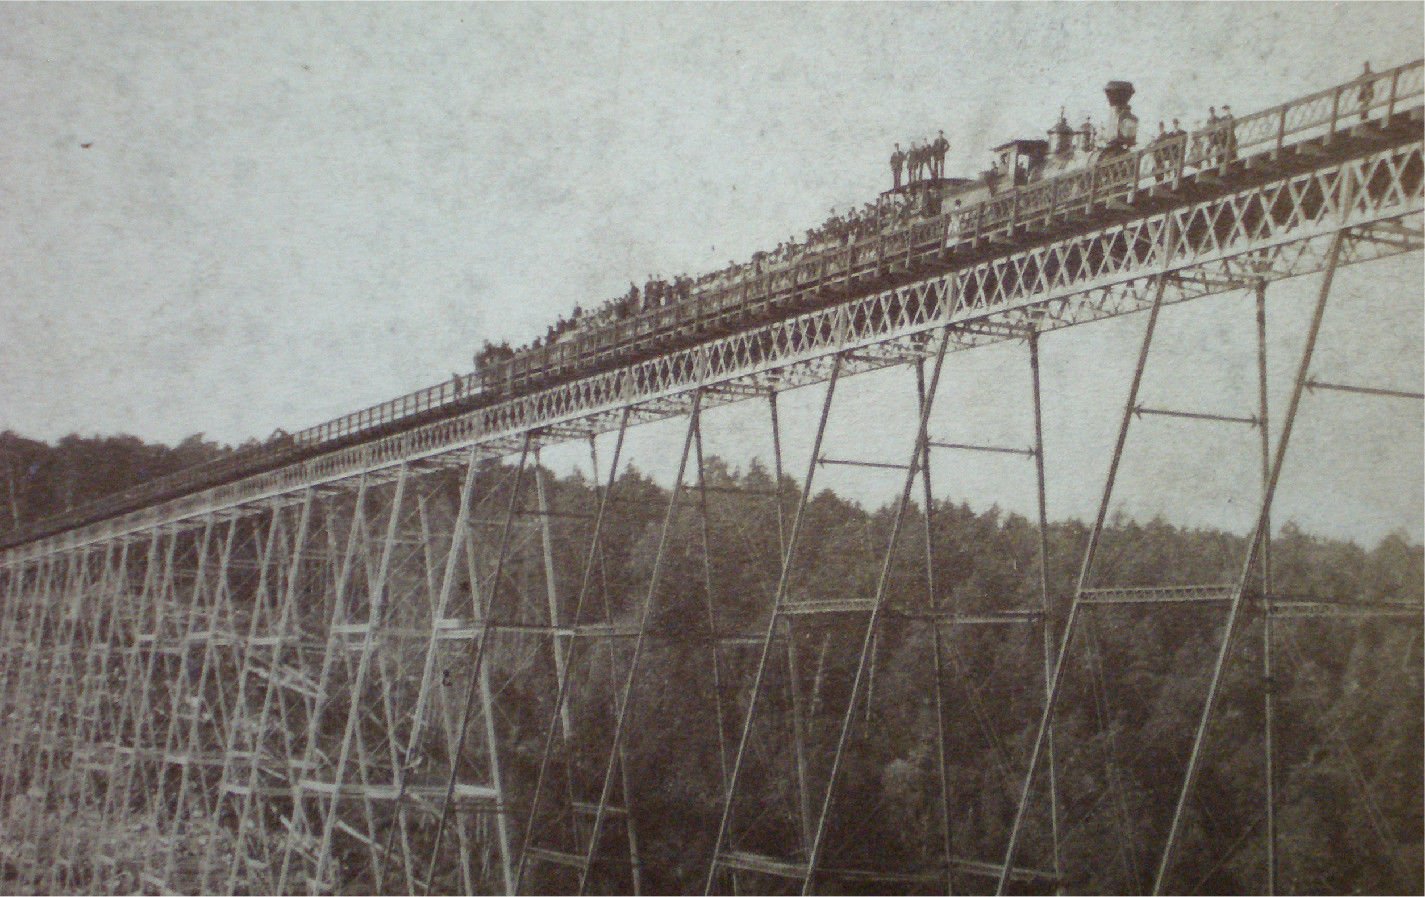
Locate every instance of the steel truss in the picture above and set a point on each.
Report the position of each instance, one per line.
(1252, 589)
(313, 679)
(746, 848)
(1274, 229)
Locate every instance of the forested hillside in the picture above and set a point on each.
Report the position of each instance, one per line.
(38, 479)
(1348, 699)
(1348, 692)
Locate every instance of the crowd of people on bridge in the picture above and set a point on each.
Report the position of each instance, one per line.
(924, 162)
(891, 212)
(1212, 141)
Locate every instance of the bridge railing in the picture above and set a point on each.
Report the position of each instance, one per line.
(1369, 98)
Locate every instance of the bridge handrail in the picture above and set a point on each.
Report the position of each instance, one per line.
(1318, 114)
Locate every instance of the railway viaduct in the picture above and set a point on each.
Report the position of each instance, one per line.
(300, 680)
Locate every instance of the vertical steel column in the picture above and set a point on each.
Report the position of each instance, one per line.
(635, 864)
(714, 632)
(15, 774)
(19, 773)
(442, 600)
(782, 584)
(366, 758)
(1268, 686)
(278, 636)
(57, 699)
(585, 580)
(264, 549)
(22, 580)
(12, 601)
(551, 587)
(477, 664)
(132, 614)
(621, 704)
(43, 698)
(793, 673)
(264, 552)
(209, 670)
(1045, 606)
(920, 444)
(1254, 544)
(178, 693)
(142, 718)
(1090, 551)
(374, 606)
(937, 649)
(84, 730)
(492, 743)
(163, 812)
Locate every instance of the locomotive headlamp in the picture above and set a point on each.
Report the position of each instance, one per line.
(1127, 128)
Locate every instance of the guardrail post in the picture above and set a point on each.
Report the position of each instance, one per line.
(1335, 115)
(1179, 162)
(1281, 133)
(1390, 104)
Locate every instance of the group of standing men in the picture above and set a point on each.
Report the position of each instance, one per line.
(923, 158)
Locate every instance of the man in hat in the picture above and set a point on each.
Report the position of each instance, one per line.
(1367, 92)
(897, 162)
(939, 148)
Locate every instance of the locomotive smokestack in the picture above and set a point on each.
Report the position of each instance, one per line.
(1118, 93)
(1123, 124)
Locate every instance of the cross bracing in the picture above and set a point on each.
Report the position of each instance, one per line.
(304, 681)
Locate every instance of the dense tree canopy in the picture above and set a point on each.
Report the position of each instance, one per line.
(38, 479)
(1347, 692)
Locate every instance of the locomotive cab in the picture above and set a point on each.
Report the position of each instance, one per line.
(1017, 163)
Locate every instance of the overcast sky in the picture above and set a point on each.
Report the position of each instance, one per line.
(229, 218)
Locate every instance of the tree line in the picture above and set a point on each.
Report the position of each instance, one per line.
(1348, 694)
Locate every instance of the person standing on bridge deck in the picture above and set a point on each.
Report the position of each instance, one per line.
(1177, 145)
(940, 147)
(897, 162)
(1367, 92)
(1159, 148)
(1229, 134)
(1214, 136)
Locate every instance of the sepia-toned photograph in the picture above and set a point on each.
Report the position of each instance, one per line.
(691, 448)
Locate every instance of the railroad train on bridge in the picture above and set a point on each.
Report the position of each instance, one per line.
(1034, 191)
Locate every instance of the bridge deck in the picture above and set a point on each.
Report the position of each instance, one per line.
(1031, 261)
